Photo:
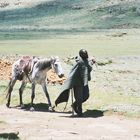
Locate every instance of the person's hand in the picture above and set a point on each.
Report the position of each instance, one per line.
(92, 61)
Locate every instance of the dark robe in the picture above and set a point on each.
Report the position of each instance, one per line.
(78, 76)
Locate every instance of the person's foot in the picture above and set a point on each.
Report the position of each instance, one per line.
(80, 114)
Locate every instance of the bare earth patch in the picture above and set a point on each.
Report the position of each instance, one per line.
(56, 126)
(5, 69)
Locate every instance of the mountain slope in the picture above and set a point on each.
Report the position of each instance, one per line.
(71, 15)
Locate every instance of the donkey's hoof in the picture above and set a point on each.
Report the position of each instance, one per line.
(22, 106)
(32, 109)
(8, 105)
(51, 109)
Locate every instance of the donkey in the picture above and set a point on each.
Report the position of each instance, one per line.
(33, 70)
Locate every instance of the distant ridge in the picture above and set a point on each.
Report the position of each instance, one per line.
(69, 15)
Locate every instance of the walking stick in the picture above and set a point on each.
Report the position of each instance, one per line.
(72, 100)
(65, 106)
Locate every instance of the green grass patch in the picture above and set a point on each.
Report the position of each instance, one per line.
(98, 44)
(2, 122)
(114, 103)
(102, 63)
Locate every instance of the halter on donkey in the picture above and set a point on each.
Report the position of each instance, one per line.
(33, 70)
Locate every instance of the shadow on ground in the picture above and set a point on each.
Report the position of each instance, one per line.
(9, 136)
(93, 113)
(88, 114)
(41, 107)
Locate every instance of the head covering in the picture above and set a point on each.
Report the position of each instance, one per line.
(83, 54)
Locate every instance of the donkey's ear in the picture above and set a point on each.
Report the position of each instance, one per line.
(53, 58)
(56, 57)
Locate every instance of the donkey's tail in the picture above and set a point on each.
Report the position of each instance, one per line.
(7, 88)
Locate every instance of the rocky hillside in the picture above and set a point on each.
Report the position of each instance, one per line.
(68, 15)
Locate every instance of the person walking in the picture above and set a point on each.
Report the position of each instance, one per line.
(77, 81)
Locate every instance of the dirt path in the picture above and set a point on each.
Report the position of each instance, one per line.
(41, 125)
(55, 126)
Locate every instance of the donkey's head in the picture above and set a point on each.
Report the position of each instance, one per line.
(56, 65)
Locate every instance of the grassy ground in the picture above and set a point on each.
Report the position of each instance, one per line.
(97, 43)
(98, 100)
(100, 44)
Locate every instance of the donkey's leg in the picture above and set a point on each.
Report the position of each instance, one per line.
(47, 95)
(32, 96)
(22, 87)
(10, 89)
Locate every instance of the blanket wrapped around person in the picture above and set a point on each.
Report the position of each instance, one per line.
(78, 76)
